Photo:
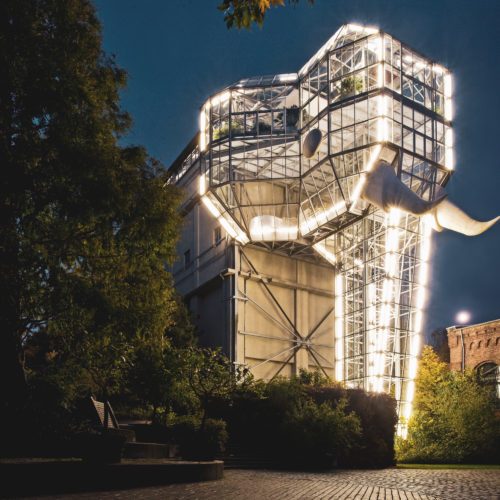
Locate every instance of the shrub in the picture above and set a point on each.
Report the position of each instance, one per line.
(453, 419)
(307, 422)
(316, 434)
(199, 442)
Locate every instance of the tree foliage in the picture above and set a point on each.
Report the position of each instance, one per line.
(453, 417)
(209, 376)
(244, 13)
(88, 225)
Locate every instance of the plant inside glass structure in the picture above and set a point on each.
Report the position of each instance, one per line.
(348, 158)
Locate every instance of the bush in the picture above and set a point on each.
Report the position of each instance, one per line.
(317, 434)
(453, 419)
(308, 422)
(197, 441)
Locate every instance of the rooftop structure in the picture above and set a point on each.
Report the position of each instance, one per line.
(331, 179)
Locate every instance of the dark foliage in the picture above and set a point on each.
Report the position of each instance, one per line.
(307, 423)
(197, 441)
(377, 413)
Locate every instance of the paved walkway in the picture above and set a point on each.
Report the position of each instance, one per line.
(387, 484)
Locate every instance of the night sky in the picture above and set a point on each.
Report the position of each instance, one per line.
(178, 52)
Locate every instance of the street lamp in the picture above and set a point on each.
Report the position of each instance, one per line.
(463, 317)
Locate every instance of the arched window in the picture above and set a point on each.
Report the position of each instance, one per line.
(489, 374)
(497, 340)
(479, 344)
(471, 346)
(488, 342)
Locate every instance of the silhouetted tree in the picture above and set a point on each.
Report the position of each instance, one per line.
(87, 225)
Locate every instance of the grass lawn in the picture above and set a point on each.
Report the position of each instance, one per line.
(448, 466)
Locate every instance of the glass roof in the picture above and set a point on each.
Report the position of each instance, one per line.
(256, 81)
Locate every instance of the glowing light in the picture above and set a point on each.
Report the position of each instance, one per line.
(448, 109)
(339, 327)
(317, 219)
(448, 103)
(410, 393)
(382, 124)
(448, 152)
(362, 179)
(271, 228)
(439, 70)
(225, 224)
(414, 349)
(211, 207)
(221, 98)
(202, 185)
(380, 48)
(418, 321)
(380, 75)
(289, 77)
(463, 317)
(228, 224)
(203, 129)
(321, 249)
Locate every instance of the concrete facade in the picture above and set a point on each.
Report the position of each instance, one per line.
(473, 345)
(270, 311)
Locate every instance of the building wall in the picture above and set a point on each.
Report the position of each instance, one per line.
(268, 311)
(201, 281)
(481, 343)
(284, 313)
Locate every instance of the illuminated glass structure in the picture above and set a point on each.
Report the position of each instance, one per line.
(290, 163)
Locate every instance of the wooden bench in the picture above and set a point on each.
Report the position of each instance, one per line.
(105, 418)
(105, 414)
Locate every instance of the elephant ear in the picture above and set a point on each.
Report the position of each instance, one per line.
(311, 142)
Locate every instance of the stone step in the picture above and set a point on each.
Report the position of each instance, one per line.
(149, 450)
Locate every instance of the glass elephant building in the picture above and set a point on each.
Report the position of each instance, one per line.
(310, 199)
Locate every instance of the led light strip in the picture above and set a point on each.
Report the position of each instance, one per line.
(425, 252)
(386, 309)
(339, 327)
(320, 247)
(225, 221)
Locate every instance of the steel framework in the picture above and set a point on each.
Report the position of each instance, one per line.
(371, 98)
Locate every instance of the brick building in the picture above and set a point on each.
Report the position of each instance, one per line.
(477, 347)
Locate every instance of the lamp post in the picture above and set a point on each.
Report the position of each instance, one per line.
(462, 318)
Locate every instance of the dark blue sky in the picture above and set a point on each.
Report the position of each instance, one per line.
(177, 52)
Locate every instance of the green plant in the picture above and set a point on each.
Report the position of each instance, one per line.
(220, 131)
(317, 434)
(210, 375)
(224, 129)
(197, 442)
(453, 417)
(351, 85)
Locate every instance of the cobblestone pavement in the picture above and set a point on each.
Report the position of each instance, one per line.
(387, 484)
